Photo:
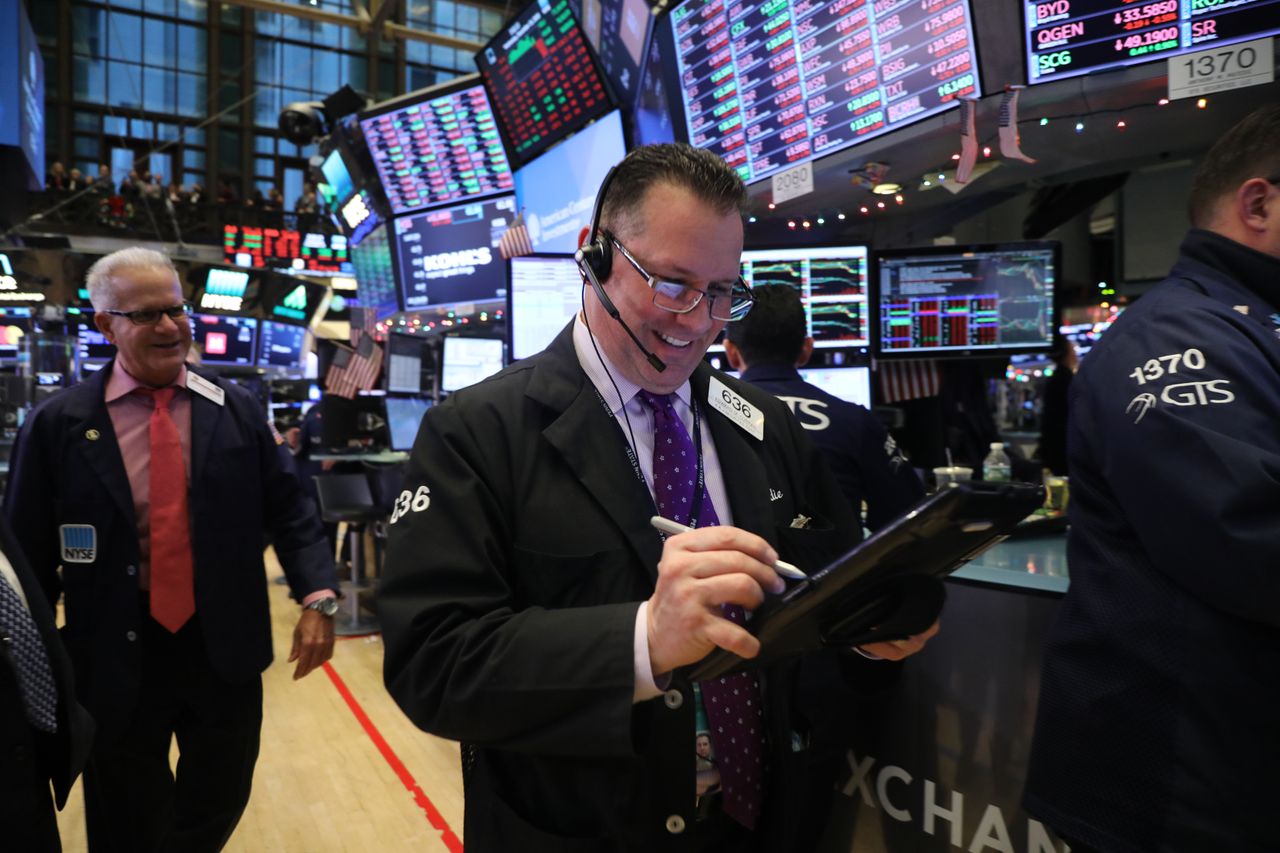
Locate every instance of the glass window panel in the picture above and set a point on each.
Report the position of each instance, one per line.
(88, 80)
(229, 95)
(263, 144)
(357, 73)
(121, 164)
(115, 125)
(468, 20)
(265, 186)
(86, 121)
(228, 150)
(266, 23)
(266, 59)
(232, 54)
(231, 15)
(124, 84)
(86, 146)
(418, 12)
(87, 167)
(166, 132)
(418, 52)
(87, 29)
(295, 66)
(327, 35)
(193, 159)
(192, 97)
(124, 36)
(443, 14)
(490, 22)
(292, 187)
(159, 90)
(190, 179)
(194, 136)
(127, 4)
(352, 40)
(325, 76)
(159, 39)
(193, 49)
(386, 81)
(161, 165)
(267, 106)
(264, 166)
(162, 7)
(193, 9)
(140, 129)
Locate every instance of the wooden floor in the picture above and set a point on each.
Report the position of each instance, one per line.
(322, 783)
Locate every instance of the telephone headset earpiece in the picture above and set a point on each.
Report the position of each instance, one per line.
(595, 263)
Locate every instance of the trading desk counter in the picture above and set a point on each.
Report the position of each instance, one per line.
(939, 757)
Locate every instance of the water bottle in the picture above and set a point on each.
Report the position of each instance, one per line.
(995, 468)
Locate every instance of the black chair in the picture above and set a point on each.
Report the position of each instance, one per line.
(345, 498)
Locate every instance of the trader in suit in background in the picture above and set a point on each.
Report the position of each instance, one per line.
(44, 733)
(767, 347)
(153, 487)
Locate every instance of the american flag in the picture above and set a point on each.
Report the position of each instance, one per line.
(907, 380)
(354, 368)
(515, 241)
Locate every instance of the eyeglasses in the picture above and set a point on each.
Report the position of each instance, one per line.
(151, 316)
(681, 298)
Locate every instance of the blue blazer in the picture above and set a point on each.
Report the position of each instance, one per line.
(71, 507)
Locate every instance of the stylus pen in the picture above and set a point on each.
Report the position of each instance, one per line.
(672, 528)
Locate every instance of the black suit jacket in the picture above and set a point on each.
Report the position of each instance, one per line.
(66, 469)
(58, 758)
(519, 553)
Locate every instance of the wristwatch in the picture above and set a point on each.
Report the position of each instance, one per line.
(327, 606)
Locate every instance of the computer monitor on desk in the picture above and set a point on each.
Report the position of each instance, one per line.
(353, 425)
(404, 416)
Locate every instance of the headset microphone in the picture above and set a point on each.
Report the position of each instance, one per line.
(595, 260)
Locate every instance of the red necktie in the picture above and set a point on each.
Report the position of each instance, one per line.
(732, 702)
(172, 586)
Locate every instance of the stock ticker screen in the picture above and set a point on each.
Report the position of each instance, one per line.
(967, 299)
(541, 77)
(375, 273)
(769, 83)
(618, 30)
(442, 147)
(832, 282)
(1067, 38)
(284, 248)
(449, 255)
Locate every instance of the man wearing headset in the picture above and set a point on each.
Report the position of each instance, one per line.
(531, 612)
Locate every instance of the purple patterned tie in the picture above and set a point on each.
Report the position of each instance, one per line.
(733, 704)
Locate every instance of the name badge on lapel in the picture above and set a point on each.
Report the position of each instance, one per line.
(205, 388)
(79, 543)
(731, 404)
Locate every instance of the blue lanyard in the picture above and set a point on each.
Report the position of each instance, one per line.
(699, 488)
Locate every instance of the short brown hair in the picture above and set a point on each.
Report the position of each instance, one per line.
(1251, 149)
(697, 170)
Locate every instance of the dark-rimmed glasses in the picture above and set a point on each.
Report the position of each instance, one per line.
(151, 316)
(680, 298)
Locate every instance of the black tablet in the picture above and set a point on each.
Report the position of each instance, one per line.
(885, 588)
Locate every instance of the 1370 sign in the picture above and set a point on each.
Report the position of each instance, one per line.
(1218, 69)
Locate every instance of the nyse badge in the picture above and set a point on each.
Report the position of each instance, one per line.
(92, 434)
(79, 543)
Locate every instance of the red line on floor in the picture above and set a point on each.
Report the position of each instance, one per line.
(397, 766)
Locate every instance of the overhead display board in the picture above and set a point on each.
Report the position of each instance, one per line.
(769, 83)
(541, 78)
(449, 256)
(437, 146)
(1067, 38)
(618, 30)
(284, 248)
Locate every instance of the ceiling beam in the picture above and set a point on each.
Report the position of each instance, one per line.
(384, 10)
(362, 23)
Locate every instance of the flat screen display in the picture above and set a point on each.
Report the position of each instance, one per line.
(225, 340)
(404, 416)
(966, 300)
(358, 217)
(376, 274)
(766, 83)
(337, 177)
(618, 30)
(1067, 39)
(449, 255)
(285, 248)
(281, 345)
(466, 361)
(224, 290)
(557, 191)
(546, 292)
(12, 331)
(92, 345)
(542, 80)
(437, 146)
(404, 364)
(852, 384)
(832, 281)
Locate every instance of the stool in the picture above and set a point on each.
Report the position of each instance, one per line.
(346, 499)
